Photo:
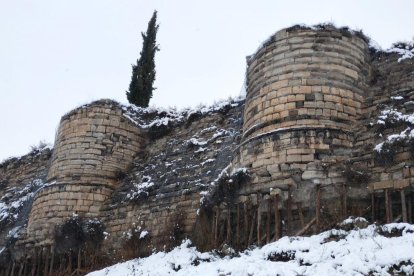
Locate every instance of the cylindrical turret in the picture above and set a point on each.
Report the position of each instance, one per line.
(300, 75)
(94, 145)
(305, 88)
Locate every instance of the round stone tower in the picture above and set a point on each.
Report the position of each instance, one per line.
(94, 146)
(305, 90)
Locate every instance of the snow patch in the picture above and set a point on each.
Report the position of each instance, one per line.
(157, 116)
(143, 234)
(196, 142)
(335, 252)
(12, 202)
(141, 189)
(405, 50)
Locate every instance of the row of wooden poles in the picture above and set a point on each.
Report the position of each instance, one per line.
(259, 221)
(387, 204)
(253, 224)
(45, 262)
(246, 221)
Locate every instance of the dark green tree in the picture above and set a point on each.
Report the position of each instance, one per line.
(143, 73)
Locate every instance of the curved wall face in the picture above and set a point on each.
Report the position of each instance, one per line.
(304, 75)
(305, 92)
(95, 144)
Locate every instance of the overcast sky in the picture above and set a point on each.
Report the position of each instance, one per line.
(56, 55)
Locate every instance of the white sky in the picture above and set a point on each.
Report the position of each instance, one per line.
(56, 55)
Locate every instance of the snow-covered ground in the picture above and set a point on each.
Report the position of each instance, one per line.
(374, 250)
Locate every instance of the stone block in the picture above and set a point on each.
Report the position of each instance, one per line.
(401, 183)
(307, 175)
(294, 158)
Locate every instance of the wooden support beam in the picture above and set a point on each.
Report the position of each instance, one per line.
(268, 220)
(277, 218)
(26, 264)
(238, 227)
(259, 220)
(46, 268)
(213, 223)
(228, 235)
(403, 205)
(52, 260)
(289, 211)
(39, 262)
(61, 262)
(8, 269)
(345, 201)
(79, 259)
(34, 262)
(246, 225)
(216, 227)
(410, 209)
(318, 207)
(390, 202)
(373, 207)
(69, 263)
(13, 267)
(253, 222)
(21, 268)
(306, 228)
(387, 206)
(300, 211)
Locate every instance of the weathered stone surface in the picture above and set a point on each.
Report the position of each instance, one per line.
(308, 129)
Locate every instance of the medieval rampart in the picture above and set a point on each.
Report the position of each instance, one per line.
(305, 91)
(94, 145)
(327, 131)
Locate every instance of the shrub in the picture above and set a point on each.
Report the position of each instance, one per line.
(385, 157)
(225, 188)
(136, 243)
(78, 233)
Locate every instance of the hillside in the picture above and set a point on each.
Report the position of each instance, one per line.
(324, 132)
(353, 248)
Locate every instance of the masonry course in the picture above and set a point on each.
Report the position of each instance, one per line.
(305, 132)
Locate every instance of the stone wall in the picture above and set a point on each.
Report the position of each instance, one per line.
(305, 137)
(178, 168)
(19, 177)
(305, 91)
(94, 146)
(19, 171)
(392, 88)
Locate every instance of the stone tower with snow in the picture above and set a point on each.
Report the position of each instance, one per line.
(324, 133)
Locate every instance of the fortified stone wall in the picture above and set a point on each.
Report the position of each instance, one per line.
(306, 88)
(390, 170)
(162, 193)
(17, 172)
(18, 178)
(94, 145)
(302, 157)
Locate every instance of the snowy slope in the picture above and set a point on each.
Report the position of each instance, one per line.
(348, 250)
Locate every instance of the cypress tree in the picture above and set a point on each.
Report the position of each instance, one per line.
(143, 73)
